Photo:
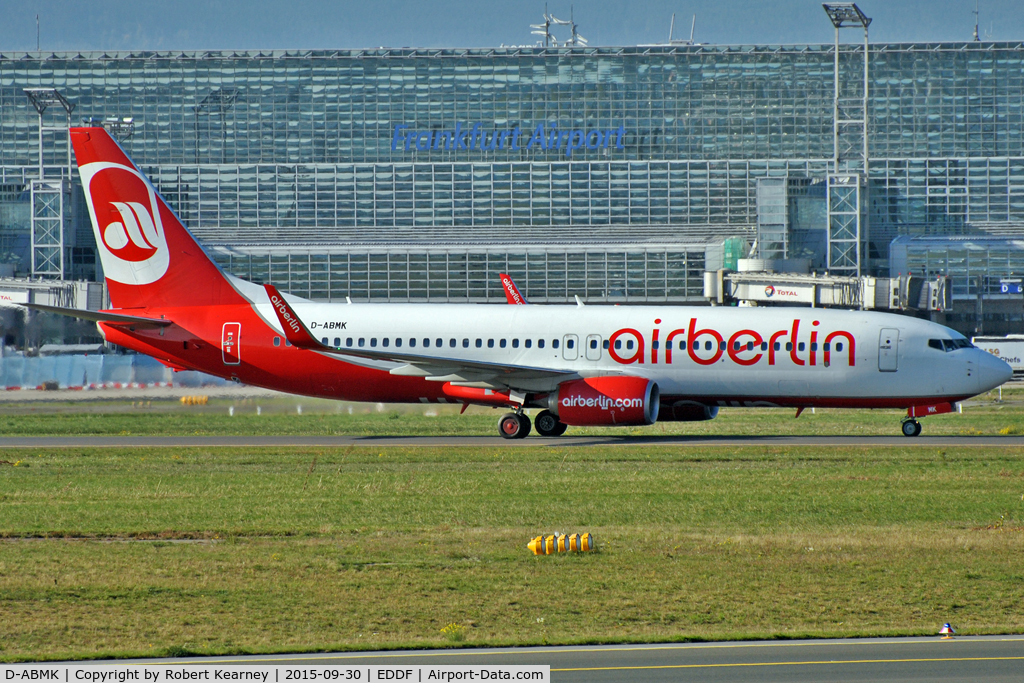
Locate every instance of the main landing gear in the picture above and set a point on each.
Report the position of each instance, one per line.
(517, 425)
(514, 425)
(548, 424)
(910, 427)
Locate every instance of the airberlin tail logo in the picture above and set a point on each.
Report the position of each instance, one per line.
(127, 221)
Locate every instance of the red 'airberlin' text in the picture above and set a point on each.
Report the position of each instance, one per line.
(286, 314)
(707, 346)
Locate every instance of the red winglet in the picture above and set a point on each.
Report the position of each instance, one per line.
(512, 294)
(294, 331)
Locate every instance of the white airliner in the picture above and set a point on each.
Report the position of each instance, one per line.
(582, 365)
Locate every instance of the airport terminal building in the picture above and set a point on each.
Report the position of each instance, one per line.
(619, 174)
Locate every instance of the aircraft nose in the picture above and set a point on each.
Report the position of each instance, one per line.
(992, 371)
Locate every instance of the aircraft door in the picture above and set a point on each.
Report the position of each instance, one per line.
(229, 343)
(593, 350)
(888, 349)
(570, 342)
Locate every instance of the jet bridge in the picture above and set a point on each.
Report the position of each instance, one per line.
(904, 293)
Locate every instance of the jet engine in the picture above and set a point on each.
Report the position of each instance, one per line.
(614, 400)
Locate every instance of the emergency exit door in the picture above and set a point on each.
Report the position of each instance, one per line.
(888, 349)
(229, 343)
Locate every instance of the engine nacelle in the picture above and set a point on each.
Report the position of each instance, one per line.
(606, 401)
(686, 411)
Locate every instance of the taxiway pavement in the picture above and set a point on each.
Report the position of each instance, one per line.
(993, 659)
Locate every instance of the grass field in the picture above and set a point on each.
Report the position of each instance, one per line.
(281, 416)
(167, 551)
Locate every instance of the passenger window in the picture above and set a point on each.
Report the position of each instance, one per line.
(515, 343)
(324, 341)
(801, 346)
(426, 343)
(721, 345)
(826, 346)
(502, 343)
(629, 343)
(569, 344)
(735, 346)
(750, 346)
(554, 343)
(373, 341)
(412, 342)
(362, 342)
(337, 342)
(540, 343)
(839, 346)
(287, 343)
(654, 345)
(605, 344)
(438, 342)
(465, 343)
(348, 342)
(451, 343)
(707, 346)
(398, 341)
(789, 346)
(814, 346)
(618, 344)
(277, 341)
(386, 341)
(777, 346)
(528, 343)
(593, 344)
(764, 346)
(490, 343)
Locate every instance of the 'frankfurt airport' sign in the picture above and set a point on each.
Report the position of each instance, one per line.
(474, 137)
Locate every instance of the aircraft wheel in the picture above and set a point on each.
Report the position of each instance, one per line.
(509, 426)
(911, 428)
(547, 424)
(525, 429)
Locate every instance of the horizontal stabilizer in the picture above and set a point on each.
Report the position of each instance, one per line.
(102, 316)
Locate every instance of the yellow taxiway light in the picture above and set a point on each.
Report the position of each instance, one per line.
(560, 543)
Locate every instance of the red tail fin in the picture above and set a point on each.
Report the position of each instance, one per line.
(148, 256)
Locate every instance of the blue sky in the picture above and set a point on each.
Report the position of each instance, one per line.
(272, 24)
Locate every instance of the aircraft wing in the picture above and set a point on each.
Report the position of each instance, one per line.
(102, 316)
(432, 368)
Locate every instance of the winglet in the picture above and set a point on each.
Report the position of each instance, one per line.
(512, 294)
(294, 331)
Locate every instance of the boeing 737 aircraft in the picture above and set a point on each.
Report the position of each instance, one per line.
(581, 365)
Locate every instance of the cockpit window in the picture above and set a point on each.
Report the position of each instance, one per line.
(948, 345)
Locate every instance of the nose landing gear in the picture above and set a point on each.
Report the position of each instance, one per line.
(910, 427)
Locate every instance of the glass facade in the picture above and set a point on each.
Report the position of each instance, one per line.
(343, 157)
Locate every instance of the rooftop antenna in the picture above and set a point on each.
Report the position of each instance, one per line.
(37, 33)
(976, 15)
(543, 29)
(671, 32)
